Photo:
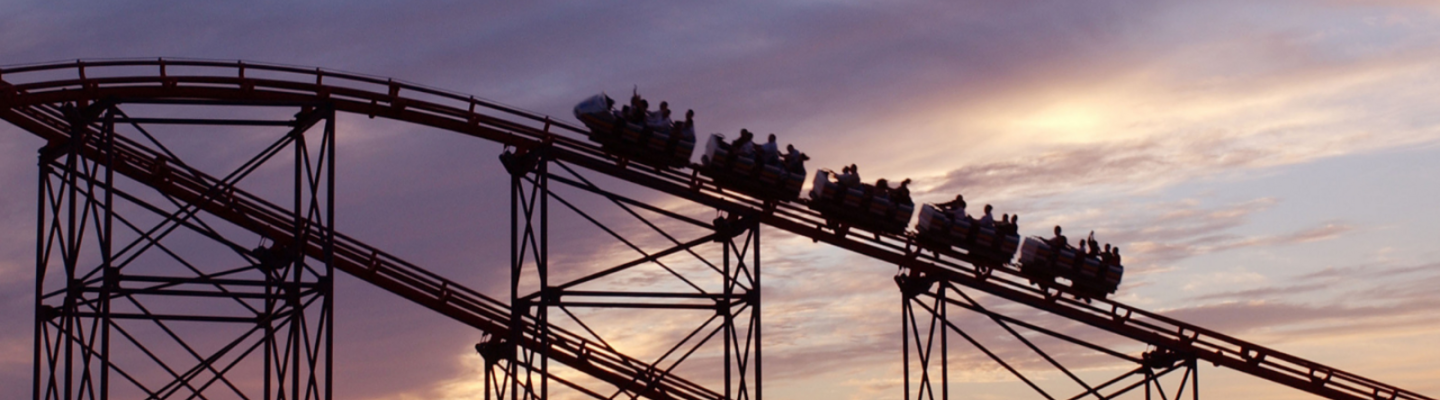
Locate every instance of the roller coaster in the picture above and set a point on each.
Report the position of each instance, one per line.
(103, 178)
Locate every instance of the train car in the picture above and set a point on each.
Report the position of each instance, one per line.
(657, 142)
(749, 174)
(938, 230)
(1089, 276)
(857, 205)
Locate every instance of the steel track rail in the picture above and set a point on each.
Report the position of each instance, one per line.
(372, 96)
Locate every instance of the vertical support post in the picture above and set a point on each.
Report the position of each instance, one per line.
(729, 292)
(517, 206)
(42, 313)
(111, 276)
(944, 344)
(913, 310)
(71, 252)
(529, 243)
(542, 314)
(296, 264)
(329, 282)
(741, 269)
(1149, 377)
(905, 316)
(1194, 379)
(756, 314)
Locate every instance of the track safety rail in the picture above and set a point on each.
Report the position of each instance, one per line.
(373, 96)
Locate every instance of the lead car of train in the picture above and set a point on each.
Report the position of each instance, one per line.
(651, 138)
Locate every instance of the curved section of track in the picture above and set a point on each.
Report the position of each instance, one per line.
(21, 103)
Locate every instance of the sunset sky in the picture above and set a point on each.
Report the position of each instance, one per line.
(1269, 167)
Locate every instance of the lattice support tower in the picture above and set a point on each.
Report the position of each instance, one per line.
(728, 285)
(128, 305)
(928, 326)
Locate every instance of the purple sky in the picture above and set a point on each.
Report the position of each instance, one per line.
(1268, 166)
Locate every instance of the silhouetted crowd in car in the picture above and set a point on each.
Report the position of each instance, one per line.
(850, 177)
(1088, 247)
(768, 153)
(1007, 225)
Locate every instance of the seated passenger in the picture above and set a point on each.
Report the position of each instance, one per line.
(742, 146)
(1094, 247)
(628, 113)
(849, 176)
(901, 195)
(1115, 255)
(687, 130)
(794, 160)
(659, 120)
(987, 219)
(955, 208)
(1105, 257)
(1059, 242)
(637, 114)
(770, 151)
(881, 189)
(1014, 225)
(676, 132)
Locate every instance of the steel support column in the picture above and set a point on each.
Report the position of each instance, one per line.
(134, 287)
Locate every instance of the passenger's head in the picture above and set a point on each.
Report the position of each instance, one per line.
(1107, 247)
(905, 182)
(988, 208)
(1057, 230)
(772, 138)
(789, 147)
(665, 105)
(1115, 250)
(1004, 217)
(960, 197)
(1015, 219)
(689, 114)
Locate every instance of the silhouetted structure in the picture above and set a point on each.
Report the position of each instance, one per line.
(287, 283)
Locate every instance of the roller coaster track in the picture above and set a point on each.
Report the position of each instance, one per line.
(30, 105)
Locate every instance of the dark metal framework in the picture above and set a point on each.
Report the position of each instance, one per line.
(128, 305)
(735, 302)
(927, 326)
(89, 282)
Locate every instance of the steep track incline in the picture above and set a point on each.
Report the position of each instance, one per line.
(363, 95)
